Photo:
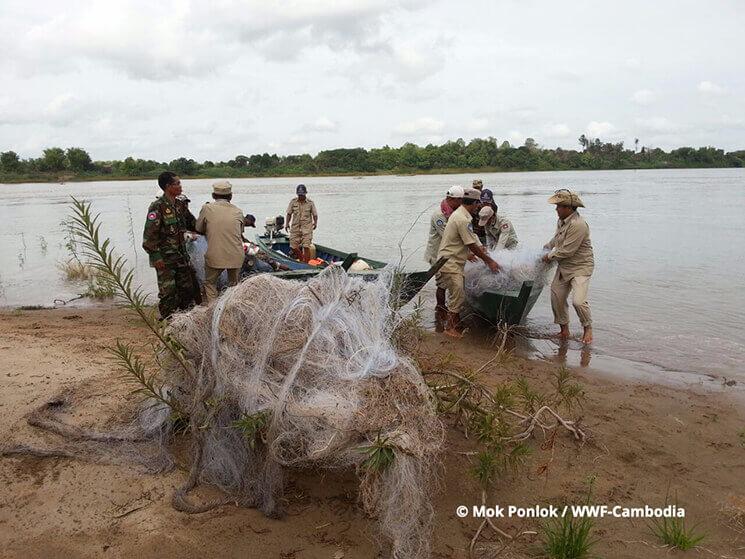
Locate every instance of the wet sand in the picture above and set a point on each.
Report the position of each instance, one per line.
(644, 439)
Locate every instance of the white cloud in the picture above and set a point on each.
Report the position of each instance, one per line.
(657, 125)
(557, 131)
(644, 97)
(322, 124)
(600, 129)
(424, 125)
(479, 125)
(632, 63)
(710, 88)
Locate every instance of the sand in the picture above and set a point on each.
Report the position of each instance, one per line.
(645, 439)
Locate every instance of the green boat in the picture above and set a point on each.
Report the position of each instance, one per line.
(506, 307)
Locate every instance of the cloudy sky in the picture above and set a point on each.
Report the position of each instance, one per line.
(209, 80)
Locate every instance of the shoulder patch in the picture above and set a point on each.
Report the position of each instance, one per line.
(505, 226)
(470, 227)
(152, 216)
(440, 222)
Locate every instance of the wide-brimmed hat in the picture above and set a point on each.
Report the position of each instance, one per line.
(455, 192)
(564, 197)
(478, 184)
(485, 214)
(222, 188)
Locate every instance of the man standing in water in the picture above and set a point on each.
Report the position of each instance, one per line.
(458, 243)
(301, 220)
(437, 223)
(572, 250)
(168, 218)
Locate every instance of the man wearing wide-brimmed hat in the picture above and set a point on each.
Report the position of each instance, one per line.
(571, 249)
(222, 223)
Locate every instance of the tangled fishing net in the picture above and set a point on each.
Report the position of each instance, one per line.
(316, 361)
(516, 266)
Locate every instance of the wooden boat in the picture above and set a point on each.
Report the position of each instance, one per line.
(277, 246)
(506, 307)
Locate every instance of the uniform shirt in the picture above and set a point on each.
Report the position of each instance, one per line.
(457, 236)
(222, 223)
(500, 234)
(163, 237)
(302, 214)
(571, 247)
(436, 228)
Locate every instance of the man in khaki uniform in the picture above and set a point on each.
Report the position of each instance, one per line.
(222, 223)
(437, 224)
(458, 243)
(301, 220)
(571, 248)
(498, 230)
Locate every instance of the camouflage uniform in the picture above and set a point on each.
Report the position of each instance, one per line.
(163, 239)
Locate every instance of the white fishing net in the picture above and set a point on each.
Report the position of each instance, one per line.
(516, 266)
(317, 360)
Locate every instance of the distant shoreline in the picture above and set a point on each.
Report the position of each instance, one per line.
(51, 178)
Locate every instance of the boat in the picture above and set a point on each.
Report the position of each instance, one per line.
(276, 244)
(506, 307)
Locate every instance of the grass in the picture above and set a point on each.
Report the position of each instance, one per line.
(253, 426)
(74, 270)
(568, 537)
(380, 455)
(674, 533)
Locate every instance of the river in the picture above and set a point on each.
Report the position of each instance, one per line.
(669, 245)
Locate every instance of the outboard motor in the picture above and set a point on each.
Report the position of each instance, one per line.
(274, 226)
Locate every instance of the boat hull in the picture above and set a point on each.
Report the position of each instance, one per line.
(278, 248)
(510, 308)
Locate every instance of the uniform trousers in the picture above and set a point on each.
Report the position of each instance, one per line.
(560, 289)
(453, 284)
(211, 275)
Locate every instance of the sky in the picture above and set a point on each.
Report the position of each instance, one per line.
(210, 80)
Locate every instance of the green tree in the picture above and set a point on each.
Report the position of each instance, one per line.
(9, 161)
(53, 160)
(78, 160)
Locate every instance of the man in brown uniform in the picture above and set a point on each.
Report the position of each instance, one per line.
(458, 243)
(571, 248)
(301, 220)
(222, 223)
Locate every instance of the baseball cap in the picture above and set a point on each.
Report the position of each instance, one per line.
(222, 188)
(250, 219)
(301, 189)
(487, 196)
(471, 194)
(485, 215)
(455, 192)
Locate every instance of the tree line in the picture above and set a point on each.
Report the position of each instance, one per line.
(485, 154)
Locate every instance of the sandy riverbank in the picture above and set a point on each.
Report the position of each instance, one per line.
(644, 438)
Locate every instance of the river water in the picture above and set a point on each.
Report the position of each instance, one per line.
(667, 292)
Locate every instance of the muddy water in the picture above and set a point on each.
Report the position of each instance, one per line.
(670, 247)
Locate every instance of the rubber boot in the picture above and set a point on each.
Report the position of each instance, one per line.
(453, 324)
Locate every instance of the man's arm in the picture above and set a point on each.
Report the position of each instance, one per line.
(201, 221)
(480, 251)
(315, 214)
(151, 238)
(288, 216)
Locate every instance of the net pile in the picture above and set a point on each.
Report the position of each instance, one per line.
(316, 359)
(516, 266)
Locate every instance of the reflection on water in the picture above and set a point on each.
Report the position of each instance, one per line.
(669, 262)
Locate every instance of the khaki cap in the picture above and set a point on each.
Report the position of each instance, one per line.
(564, 197)
(472, 194)
(485, 214)
(222, 188)
(455, 192)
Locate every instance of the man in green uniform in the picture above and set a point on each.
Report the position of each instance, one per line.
(168, 218)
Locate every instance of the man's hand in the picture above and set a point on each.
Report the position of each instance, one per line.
(493, 266)
(160, 265)
(472, 257)
(545, 258)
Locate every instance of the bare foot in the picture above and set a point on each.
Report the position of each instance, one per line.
(587, 336)
(564, 332)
